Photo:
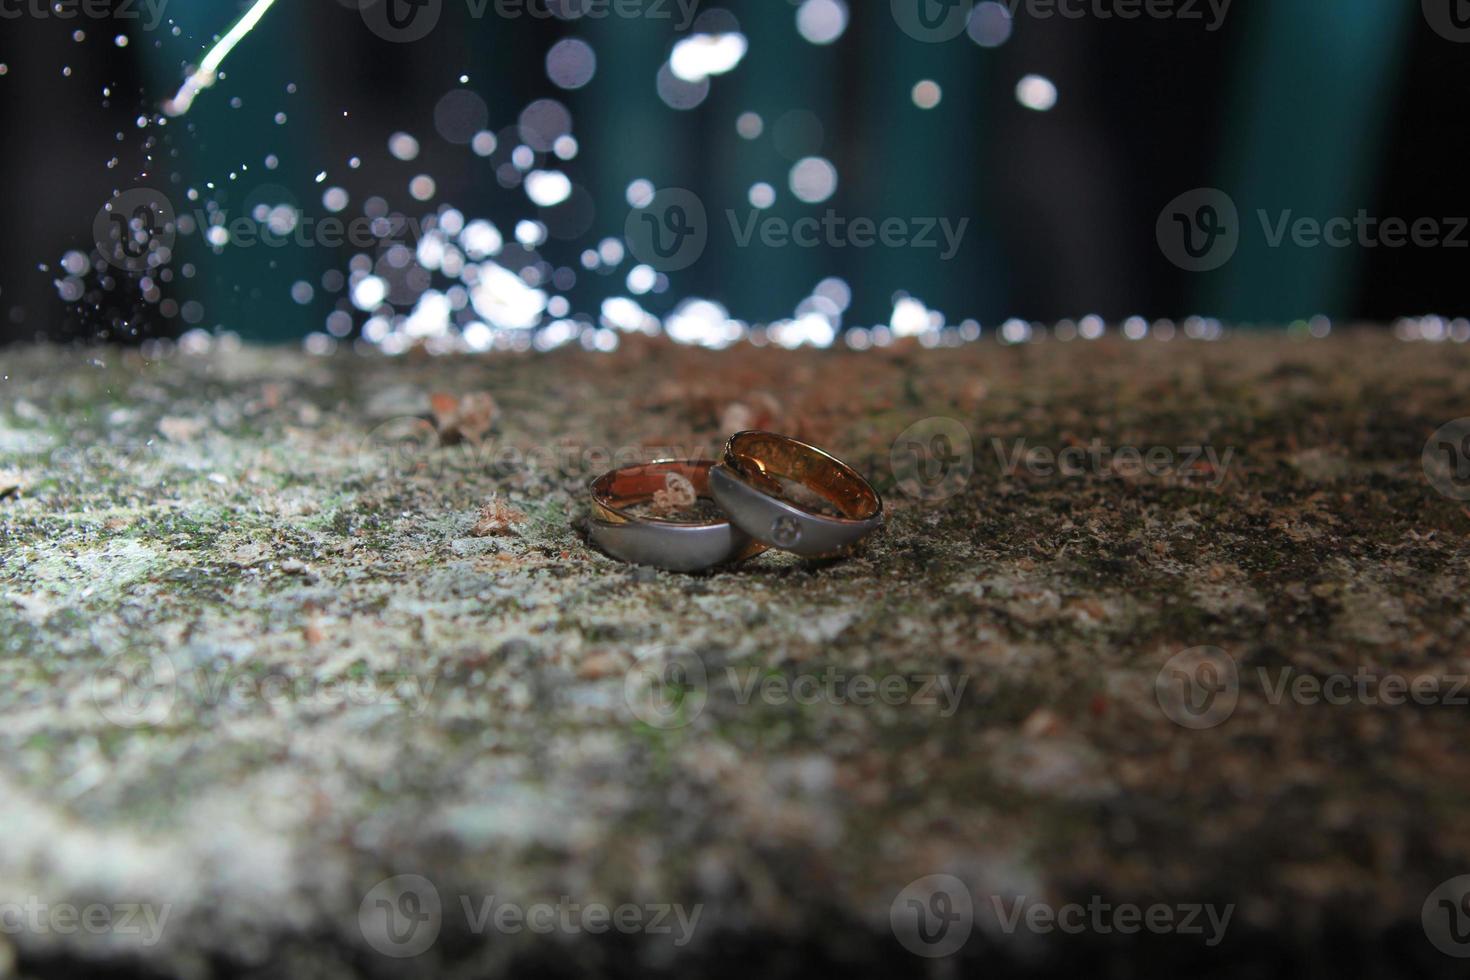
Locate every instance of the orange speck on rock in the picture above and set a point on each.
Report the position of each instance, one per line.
(470, 416)
(1041, 722)
(496, 518)
(600, 665)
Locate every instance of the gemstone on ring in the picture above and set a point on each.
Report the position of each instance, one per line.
(785, 532)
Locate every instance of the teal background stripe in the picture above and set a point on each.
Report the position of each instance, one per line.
(1313, 89)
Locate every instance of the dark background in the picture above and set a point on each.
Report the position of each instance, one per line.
(1320, 106)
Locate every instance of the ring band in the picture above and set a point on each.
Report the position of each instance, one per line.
(672, 545)
(744, 487)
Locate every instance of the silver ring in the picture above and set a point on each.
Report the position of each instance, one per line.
(743, 484)
(671, 545)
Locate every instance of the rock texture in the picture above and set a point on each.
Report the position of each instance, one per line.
(277, 628)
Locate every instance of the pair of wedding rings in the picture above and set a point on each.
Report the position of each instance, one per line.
(746, 483)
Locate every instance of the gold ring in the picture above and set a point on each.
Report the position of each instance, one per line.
(746, 486)
(678, 546)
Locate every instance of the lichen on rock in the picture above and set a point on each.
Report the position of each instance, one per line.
(262, 647)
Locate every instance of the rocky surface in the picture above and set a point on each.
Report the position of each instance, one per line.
(276, 629)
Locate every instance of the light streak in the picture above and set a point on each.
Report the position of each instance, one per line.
(205, 75)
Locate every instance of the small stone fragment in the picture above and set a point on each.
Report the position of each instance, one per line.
(599, 666)
(178, 429)
(759, 410)
(469, 416)
(1041, 723)
(249, 554)
(496, 518)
